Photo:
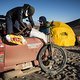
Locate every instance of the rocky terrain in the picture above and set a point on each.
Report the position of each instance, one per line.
(70, 72)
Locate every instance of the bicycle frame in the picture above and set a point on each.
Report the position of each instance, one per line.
(49, 39)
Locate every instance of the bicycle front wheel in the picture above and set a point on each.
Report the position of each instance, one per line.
(55, 63)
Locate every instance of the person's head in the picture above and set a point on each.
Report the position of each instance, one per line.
(28, 10)
(42, 20)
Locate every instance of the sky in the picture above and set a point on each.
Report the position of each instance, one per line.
(57, 10)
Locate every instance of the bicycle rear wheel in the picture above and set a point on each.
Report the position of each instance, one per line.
(54, 64)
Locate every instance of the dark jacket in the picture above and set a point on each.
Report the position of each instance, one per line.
(18, 14)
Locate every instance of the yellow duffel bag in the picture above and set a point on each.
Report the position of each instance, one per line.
(62, 34)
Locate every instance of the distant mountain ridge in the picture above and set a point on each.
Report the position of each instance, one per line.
(75, 23)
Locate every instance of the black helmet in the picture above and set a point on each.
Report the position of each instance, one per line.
(30, 9)
(42, 19)
(26, 6)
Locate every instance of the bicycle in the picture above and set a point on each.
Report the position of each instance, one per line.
(56, 57)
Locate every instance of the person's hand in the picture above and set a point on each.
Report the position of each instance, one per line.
(29, 27)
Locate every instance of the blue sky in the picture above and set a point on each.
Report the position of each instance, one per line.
(57, 10)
